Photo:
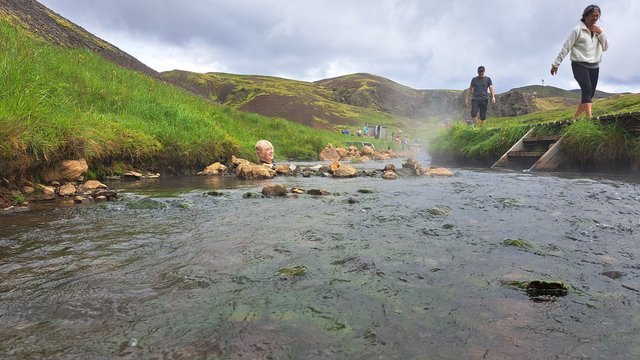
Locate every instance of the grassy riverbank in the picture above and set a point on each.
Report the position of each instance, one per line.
(588, 144)
(59, 103)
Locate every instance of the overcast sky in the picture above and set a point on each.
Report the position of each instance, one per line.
(424, 44)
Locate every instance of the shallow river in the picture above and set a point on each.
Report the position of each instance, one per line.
(414, 268)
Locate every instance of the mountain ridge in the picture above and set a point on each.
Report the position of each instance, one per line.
(339, 102)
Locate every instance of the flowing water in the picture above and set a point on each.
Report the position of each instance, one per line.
(414, 268)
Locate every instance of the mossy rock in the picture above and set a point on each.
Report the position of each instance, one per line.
(252, 195)
(147, 204)
(297, 270)
(519, 243)
(366, 191)
(440, 210)
(214, 193)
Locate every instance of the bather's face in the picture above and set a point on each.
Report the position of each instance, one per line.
(265, 154)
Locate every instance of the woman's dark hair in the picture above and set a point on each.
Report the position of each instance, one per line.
(588, 10)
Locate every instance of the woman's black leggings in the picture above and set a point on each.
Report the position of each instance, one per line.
(587, 78)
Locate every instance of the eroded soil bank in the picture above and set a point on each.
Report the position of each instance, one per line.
(407, 268)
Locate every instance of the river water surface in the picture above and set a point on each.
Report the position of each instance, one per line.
(414, 268)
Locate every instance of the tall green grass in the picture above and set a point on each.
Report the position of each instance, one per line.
(465, 145)
(58, 103)
(588, 144)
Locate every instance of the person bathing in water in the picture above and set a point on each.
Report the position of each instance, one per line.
(586, 43)
(264, 150)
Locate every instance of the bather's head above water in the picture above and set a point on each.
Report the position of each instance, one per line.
(264, 149)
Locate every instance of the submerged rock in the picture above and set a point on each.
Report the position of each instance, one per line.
(147, 204)
(613, 274)
(297, 270)
(252, 195)
(440, 210)
(390, 175)
(437, 171)
(318, 192)
(274, 190)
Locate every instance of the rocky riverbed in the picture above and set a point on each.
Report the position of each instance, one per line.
(483, 264)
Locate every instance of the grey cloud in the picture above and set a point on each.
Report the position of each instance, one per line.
(422, 44)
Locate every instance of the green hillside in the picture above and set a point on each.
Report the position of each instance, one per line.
(60, 103)
(299, 101)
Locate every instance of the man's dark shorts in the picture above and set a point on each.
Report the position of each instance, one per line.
(479, 105)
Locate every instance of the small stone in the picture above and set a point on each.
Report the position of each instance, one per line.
(613, 274)
(318, 192)
(389, 175)
(67, 190)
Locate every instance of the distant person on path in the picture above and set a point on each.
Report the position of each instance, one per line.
(264, 150)
(479, 96)
(365, 130)
(586, 43)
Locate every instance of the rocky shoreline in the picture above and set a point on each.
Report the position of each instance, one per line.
(66, 182)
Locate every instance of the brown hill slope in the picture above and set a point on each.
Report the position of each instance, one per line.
(300, 101)
(385, 95)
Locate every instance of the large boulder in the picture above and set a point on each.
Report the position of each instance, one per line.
(67, 170)
(249, 170)
(45, 192)
(342, 152)
(366, 150)
(329, 153)
(413, 166)
(214, 169)
(92, 185)
(345, 171)
(380, 156)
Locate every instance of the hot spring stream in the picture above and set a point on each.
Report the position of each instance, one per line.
(414, 268)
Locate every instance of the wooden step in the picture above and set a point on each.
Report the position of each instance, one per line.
(541, 139)
(527, 154)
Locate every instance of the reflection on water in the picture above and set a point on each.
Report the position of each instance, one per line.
(414, 268)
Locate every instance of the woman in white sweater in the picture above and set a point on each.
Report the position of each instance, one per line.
(586, 43)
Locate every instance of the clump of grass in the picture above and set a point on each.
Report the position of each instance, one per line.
(464, 144)
(19, 199)
(590, 143)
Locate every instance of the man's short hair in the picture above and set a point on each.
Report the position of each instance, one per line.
(480, 68)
